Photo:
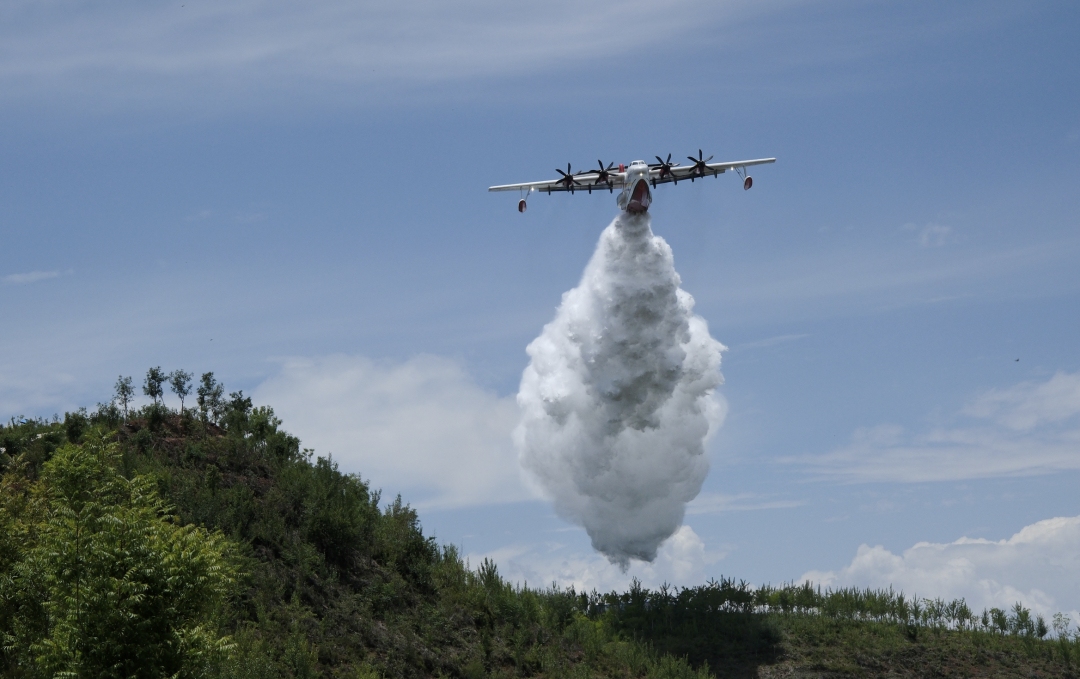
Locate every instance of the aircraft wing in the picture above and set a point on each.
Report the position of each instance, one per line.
(584, 181)
(681, 172)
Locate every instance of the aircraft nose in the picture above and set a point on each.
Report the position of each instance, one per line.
(640, 197)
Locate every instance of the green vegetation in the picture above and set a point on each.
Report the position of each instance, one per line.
(100, 581)
(207, 543)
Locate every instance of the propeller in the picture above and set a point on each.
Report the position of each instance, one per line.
(665, 166)
(568, 178)
(604, 175)
(700, 164)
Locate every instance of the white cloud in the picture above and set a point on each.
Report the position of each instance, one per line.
(930, 235)
(37, 394)
(681, 560)
(1037, 566)
(421, 426)
(769, 342)
(714, 503)
(807, 284)
(934, 235)
(1027, 429)
(144, 51)
(1030, 404)
(30, 277)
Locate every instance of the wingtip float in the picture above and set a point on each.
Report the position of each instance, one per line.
(634, 180)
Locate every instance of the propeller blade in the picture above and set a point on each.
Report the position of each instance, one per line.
(603, 175)
(699, 163)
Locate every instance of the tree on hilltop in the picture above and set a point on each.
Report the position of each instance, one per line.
(210, 393)
(180, 382)
(124, 393)
(152, 386)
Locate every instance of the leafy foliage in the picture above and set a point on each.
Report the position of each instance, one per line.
(209, 396)
(209, 543)
(104, 583)
(124, 393)
(152, 385)
(180, 383)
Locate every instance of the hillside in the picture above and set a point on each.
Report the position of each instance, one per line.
(210, 543)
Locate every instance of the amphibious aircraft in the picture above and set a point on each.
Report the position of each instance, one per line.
(634, 179)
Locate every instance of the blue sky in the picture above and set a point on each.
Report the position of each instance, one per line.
(295, 198)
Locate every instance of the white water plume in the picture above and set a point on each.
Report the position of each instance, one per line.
(619, 397)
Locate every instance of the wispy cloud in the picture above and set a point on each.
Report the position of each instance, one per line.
(30, 277)
(138, 51)
(805, 281)
(1029, 404)
(715, 503)
(932, 235)
(1036, 566)
(768, 342)
(1028, 429)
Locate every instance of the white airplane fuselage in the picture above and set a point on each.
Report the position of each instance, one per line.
(636, 197)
